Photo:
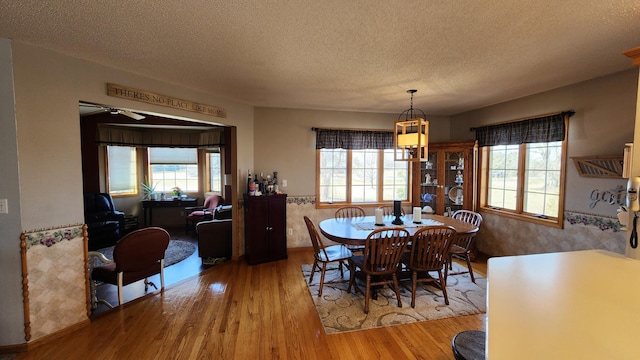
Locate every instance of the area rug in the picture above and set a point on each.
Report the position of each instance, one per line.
(177, 251)
(341, 311)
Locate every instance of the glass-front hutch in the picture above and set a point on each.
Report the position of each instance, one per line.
(447, 181)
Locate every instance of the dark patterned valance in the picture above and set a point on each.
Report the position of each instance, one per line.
(353, 139)
(152, 137)
(540, 129)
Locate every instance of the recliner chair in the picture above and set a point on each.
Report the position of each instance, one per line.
(105, 224)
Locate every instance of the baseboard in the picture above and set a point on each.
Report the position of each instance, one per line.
(43, 340)
(11, 349)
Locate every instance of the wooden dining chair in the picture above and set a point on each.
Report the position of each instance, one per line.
(387, 210)
(463, 244)
(324, 255)
(379, 261)
(349, 212)
(429, 253)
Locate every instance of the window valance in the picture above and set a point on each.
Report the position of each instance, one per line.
(149, 137)
(353, 139)
(545, 128)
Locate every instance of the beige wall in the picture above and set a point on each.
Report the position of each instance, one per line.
(286, 143)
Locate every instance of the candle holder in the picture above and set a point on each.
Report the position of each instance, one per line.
(397, 212)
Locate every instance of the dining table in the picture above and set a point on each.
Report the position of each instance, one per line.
(354, 231)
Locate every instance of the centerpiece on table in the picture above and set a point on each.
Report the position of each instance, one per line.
(177, 193)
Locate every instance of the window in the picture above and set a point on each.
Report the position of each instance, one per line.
(214, 171)
(361, 176)
(525, 180)
(173, 167)
(121, 170)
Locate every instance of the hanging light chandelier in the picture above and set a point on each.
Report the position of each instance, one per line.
(411, 135)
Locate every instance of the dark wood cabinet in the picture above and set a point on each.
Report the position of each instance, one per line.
(447, 181)
(265, 219)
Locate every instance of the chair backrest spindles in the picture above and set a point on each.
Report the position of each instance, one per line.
(349, 212)
(430, 247)
(383, 249)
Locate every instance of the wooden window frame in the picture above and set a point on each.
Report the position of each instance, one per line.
(380, 187)
(518, 213)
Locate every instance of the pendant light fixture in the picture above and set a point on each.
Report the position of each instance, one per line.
(411, 134)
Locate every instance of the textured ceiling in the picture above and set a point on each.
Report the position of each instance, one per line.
(342, 55)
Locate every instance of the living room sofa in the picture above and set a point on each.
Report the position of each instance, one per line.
(105, 224)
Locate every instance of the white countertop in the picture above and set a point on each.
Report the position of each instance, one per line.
(571, 305)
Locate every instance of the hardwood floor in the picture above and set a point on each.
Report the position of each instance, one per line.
(237, 311)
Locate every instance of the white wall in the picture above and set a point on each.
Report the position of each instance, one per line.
(48, 87)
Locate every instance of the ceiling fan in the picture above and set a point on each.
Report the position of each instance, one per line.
(88, 109)
(128, 113)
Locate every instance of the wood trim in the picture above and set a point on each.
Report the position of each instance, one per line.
(634, 54)
(10, 349)
(87, 276)
(25, 286)
(599, 166)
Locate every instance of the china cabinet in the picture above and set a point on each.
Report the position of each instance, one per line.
(447, 181)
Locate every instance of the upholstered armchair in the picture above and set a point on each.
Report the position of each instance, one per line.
(138, 256)
(105, 224)
(202, 213)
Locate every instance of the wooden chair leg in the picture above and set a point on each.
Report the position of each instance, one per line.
(443, 284)
(367, 294)
(414, 287)
(396, 287)
(322, 272)
(468, 258)
(313, 270)
(352, 276)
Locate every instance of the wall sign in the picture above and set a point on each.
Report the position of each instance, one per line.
(164, 100)
(615, 196)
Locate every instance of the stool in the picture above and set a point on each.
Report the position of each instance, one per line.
(468, 345)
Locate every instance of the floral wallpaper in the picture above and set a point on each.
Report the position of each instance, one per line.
(498, 235)
(56, 279)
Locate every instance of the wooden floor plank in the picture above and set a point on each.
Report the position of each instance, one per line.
(237, 311)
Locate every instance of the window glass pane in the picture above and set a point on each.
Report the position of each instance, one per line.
(173, 167)
(365, 172)
(542, 178)
(503, 176)
(395, 180)
(121, 162)
(332, 177)
(215, 174)
(364, 175)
